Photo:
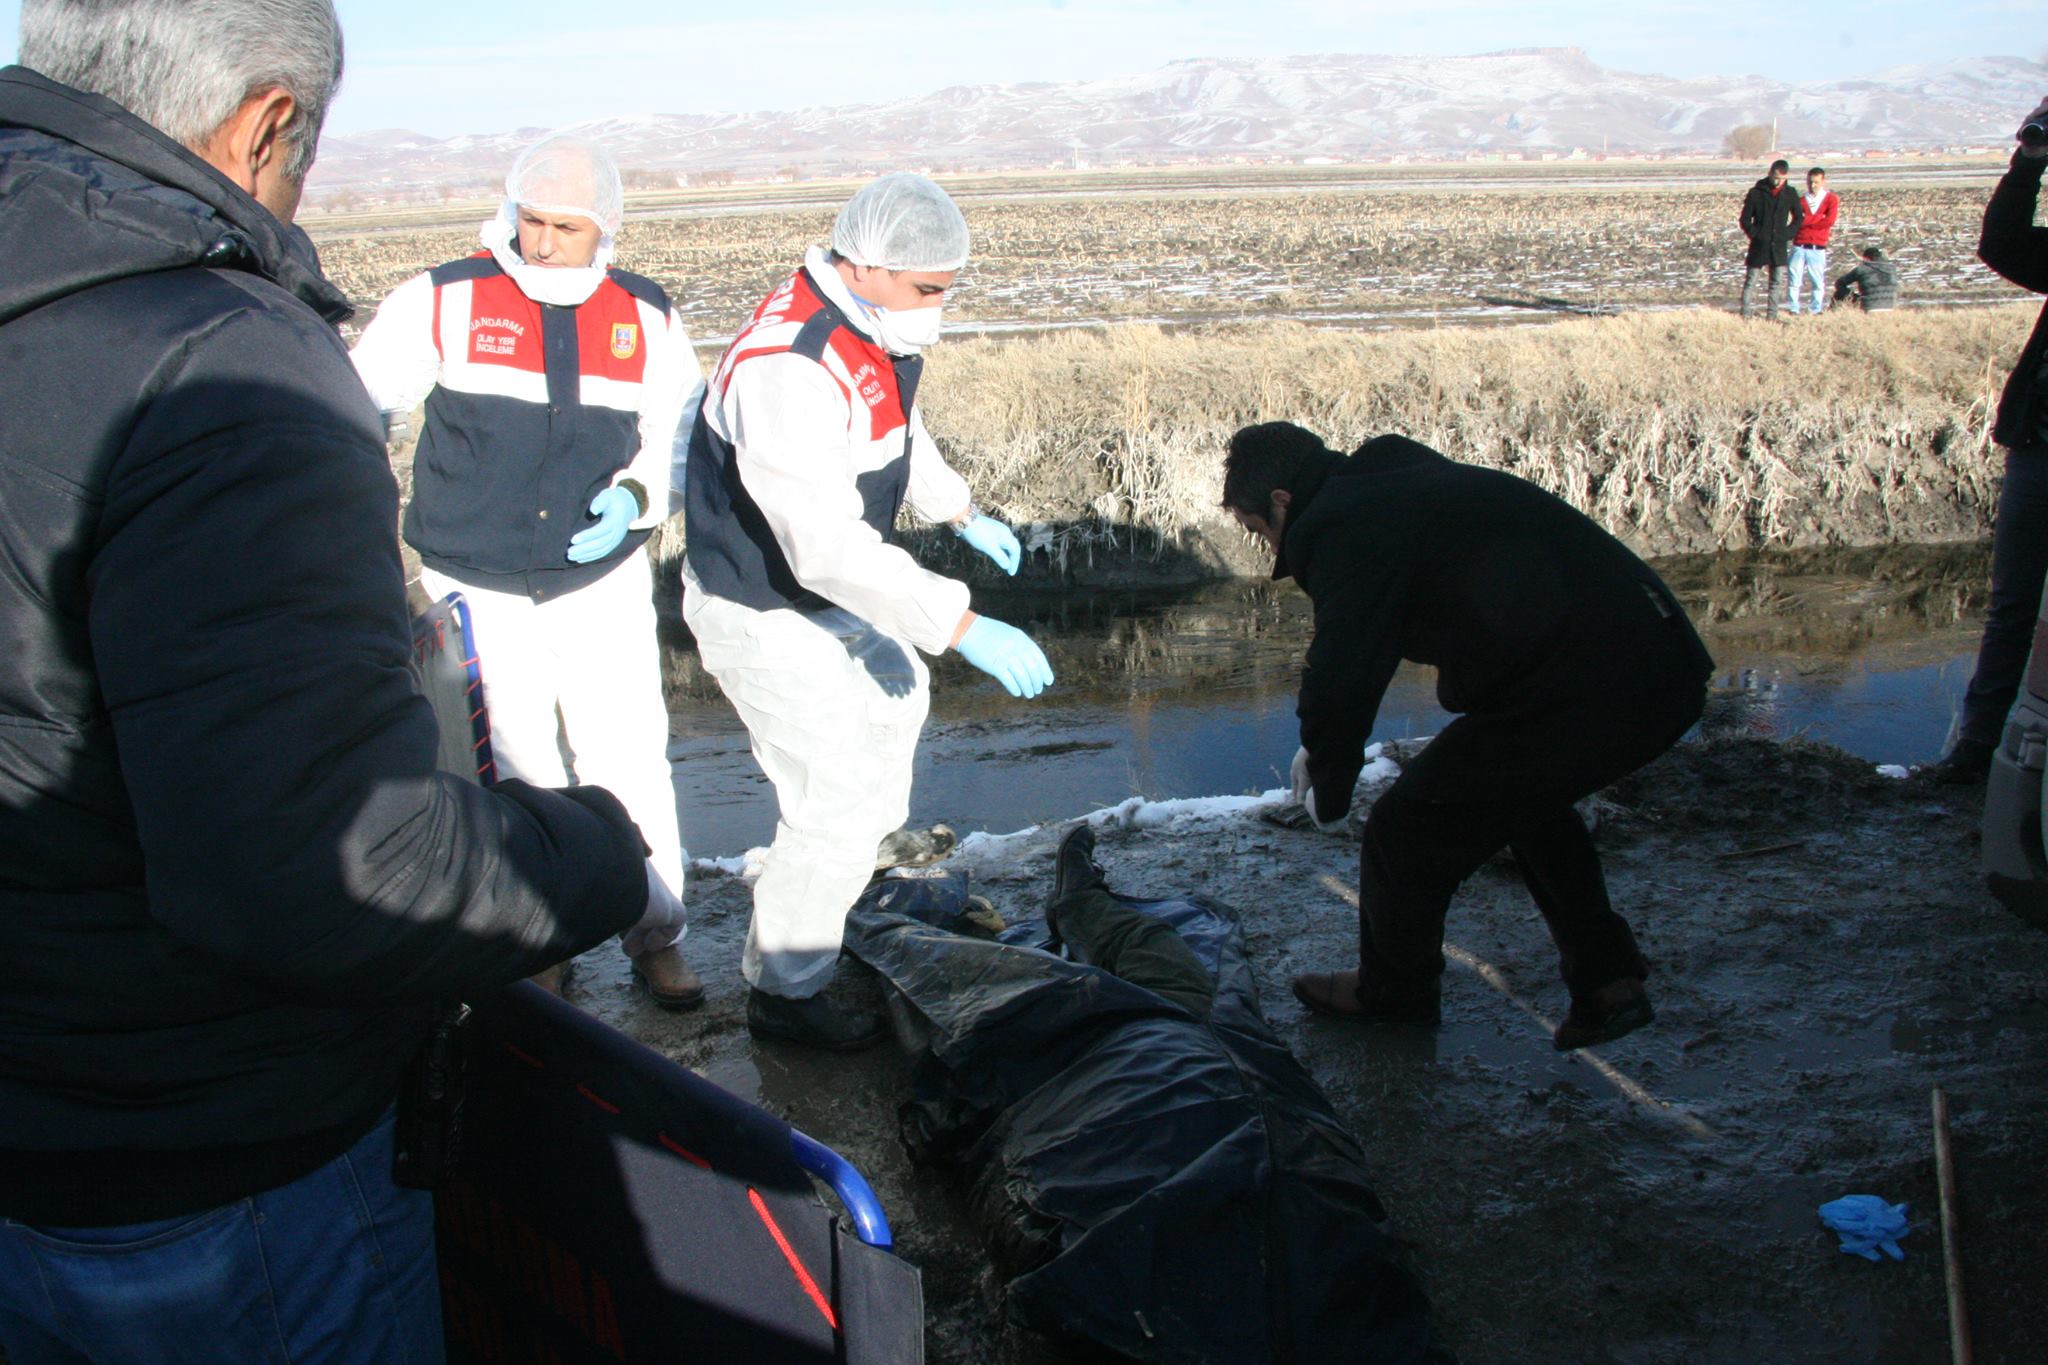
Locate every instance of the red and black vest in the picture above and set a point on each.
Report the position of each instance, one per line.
(537, 408)
(730, 549)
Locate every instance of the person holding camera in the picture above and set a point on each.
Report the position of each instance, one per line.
(2016, 249)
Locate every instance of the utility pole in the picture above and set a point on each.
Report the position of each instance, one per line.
(1774, 136)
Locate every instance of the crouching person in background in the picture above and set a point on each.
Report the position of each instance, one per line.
(231, 883)
(1567, 657)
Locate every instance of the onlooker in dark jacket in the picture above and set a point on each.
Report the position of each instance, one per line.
(2018, 250)
(1771, 216)
(231, 883)
(1567, 656)
(1873, 285)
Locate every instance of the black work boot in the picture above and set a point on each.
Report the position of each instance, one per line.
(1073, 870)
(1967, 764)
(1346, 995)
(813, 1021)
(1617, 1008)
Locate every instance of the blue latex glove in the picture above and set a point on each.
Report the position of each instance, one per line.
(614, 509)
(997, 541)
(1006, 654)
(1867, 1223)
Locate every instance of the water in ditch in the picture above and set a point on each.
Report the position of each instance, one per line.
(1192, 694)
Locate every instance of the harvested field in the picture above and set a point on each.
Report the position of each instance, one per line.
(1365, 254)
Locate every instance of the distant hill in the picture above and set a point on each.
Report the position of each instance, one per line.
(1532, 100)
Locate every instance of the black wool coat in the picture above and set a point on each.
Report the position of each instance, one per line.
(1770, 221)
(1527, 609)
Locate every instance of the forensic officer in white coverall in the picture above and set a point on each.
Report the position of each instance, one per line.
(554, 385)
(804, 608)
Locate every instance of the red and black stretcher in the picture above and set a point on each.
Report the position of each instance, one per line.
(612, 1206)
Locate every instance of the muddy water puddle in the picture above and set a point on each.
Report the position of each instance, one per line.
(1193, 695)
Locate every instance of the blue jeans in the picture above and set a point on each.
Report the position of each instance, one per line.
(336, 1266)
(1808, 262)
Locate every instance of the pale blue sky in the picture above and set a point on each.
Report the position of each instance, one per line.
(442, 69)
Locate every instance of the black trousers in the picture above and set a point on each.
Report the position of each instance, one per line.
(1418, 849)
(2019, 562)
(1141, 948)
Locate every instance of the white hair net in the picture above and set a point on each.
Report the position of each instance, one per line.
(901, 222)
(568, 175)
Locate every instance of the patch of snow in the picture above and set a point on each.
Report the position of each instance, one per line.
(1892, 770)
(747, 865)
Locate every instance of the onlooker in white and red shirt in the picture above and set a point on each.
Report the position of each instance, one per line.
(1810, 243)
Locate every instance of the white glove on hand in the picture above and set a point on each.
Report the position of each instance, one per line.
(1305, 793)
(661, 925)
(1308, 804)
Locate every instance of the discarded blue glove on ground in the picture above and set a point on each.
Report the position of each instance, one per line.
(1867, 1224)
(614, 509)
(995, 540)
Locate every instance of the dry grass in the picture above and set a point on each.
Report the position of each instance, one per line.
(1683, 431)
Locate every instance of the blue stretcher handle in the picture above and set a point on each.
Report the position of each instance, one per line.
(849, 1184)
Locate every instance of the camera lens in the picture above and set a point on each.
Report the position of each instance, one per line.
(2033, 135)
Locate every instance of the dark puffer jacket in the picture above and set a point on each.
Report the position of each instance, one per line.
(230, 880)
(2018, 250)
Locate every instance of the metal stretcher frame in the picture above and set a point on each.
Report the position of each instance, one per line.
(611, 1205)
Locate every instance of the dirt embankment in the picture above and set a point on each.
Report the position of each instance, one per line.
(1685, 432)
(1823, 953)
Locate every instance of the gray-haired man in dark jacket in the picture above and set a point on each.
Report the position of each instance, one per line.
(231, 882)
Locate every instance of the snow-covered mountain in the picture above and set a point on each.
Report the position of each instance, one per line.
(1532, 100)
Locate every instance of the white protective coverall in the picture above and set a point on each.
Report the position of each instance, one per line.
(572, 680)
(834, 695)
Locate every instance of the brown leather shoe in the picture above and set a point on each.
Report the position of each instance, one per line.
(550, 979)
(1617, 1008)
(668, 979)
(1339, 995)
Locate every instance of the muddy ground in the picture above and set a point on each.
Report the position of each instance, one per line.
(1824, 953)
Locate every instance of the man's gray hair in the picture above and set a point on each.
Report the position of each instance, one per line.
(185, 66)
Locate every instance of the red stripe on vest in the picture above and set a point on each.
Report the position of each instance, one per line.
(796, 301)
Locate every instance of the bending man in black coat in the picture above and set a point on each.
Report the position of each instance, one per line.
(1567, 656)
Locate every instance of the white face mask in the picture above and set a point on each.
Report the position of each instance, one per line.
(905, 331)
(564, 286)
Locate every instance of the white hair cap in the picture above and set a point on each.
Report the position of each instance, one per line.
(568, 175)
(901, 222)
